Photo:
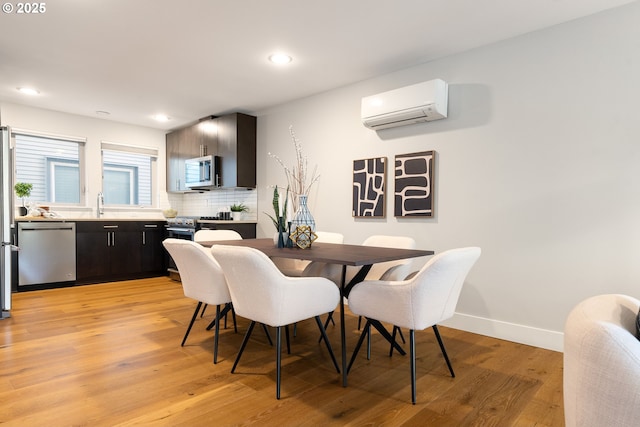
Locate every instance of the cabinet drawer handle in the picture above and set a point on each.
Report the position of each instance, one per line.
(109, 226)
(151, 226)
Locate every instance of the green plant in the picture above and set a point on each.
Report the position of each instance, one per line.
(238, 207)
(276, 210)
(23, 189)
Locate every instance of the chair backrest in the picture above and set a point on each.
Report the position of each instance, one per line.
(329, 237)
(433, 291)
(201, 276)
(214, 235)
(401, 268)
(260, 292)
(602, 363)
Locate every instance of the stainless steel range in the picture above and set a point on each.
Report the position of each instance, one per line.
(180, 227)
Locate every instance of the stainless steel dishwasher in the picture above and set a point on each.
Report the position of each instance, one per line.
(47, 252)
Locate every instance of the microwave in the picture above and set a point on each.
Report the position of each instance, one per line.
(202, 172)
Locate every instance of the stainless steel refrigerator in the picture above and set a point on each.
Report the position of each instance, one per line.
(6, 219)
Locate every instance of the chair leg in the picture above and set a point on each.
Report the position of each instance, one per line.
(412, 350)
(399, 331)
(243, 345)
(204, 309)
(233, 314)
(444, 352)
(193, 319)
(216, 334)
(286, 332)
(323, 332)
(366, 331)
(326, 323)
(266, 331)
(369, 343)
(278, 359)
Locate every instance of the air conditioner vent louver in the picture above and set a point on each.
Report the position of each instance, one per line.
(417, 103)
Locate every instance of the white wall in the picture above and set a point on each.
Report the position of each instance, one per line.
(538, 164)
(95, 131)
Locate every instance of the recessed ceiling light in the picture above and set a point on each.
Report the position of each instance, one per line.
(161, 118)
(280, 58)
(28, 90)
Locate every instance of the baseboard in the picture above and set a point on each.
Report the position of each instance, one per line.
(543, 338)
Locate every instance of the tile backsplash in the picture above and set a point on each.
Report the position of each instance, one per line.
(209, 203)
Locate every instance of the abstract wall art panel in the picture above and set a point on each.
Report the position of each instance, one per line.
(414, 184)
(369, 176)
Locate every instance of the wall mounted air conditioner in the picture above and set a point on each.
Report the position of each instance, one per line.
(422, 102)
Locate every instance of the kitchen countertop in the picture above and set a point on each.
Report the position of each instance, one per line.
(201, 221)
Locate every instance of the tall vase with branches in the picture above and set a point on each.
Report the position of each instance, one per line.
(299, 181)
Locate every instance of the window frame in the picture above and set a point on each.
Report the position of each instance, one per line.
(151, 152)
(16, 133)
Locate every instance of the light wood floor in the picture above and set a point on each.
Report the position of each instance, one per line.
(110, 355)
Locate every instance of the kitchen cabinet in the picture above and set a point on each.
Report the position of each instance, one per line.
(186, 143)
(245, 229)
(237, 150)
(118, 250)
(232, 137)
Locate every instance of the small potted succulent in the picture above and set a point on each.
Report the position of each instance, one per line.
(23, 190)
(237, 209)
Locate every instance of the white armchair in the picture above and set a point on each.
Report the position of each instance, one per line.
(261, 293)
(424, 300)
(202, 279)
(215, 235)
(602, 363)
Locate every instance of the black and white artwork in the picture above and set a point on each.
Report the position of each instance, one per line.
(414, 184)
(369, 176)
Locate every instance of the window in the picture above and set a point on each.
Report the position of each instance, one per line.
(53, 164)
(127, 174)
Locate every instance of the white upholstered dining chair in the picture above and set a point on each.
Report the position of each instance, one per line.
(424, 300)
(216, 235)
(261, 293)
(601, 373)
(202, 280)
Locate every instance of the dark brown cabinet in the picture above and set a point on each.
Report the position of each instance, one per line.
(237, 149)
(187, 143)
(118, 250)
(232, 137)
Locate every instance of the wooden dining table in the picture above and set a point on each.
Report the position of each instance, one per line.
(341, 254)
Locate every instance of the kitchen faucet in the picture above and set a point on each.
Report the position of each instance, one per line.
(100, 203)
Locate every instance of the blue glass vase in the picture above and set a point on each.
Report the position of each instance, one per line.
(303, 215)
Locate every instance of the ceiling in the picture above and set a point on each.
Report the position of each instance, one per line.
(193, 58)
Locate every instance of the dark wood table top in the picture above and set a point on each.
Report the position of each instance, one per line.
(332, 253)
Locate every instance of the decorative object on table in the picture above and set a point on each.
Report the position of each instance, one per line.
(369, 177)
(280, 212)
(237, 209)
(303, 215)
(303, 236)
(170, 213)
(299, 183)
(414, 184)
(23, 190)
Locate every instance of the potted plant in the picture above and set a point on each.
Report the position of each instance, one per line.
(237, 209)
(279, 218)
(23, 190)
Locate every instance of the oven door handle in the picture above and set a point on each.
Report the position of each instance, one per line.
(181, 230)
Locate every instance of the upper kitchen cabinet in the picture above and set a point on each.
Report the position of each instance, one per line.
(231, 137)
(237, 150)
(186, 143)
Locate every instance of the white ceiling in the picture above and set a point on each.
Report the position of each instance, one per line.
(193, 58)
